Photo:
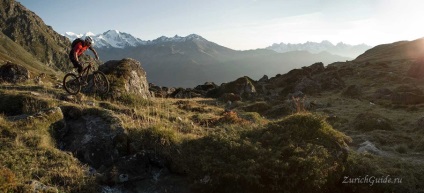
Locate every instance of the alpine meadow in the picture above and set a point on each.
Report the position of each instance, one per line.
(184, 114)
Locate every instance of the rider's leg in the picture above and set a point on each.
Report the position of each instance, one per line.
(75, 63)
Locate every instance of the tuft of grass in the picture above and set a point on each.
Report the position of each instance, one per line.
(8, 181)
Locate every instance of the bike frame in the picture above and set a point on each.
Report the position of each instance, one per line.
(86, 71)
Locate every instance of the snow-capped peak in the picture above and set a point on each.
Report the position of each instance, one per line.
(315, 47)
(117, 39)
(109, 39)
(72, 35)
(178, 38)
(89, 34)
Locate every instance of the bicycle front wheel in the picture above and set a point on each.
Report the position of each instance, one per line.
(71, 84)
(100, 83)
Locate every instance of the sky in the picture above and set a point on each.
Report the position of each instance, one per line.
(241, 24)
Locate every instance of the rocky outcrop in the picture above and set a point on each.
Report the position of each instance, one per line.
(126, 77)
(160, 92)
(13, 73)
(96, 137)
(183, 93)
(206, 87)
(243, 87)
(309, 80)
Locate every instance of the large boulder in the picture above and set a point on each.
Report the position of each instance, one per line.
(126, 76)
(183, 93)
(95, 136)
(243, 87)
(13, 73)
(310, 80)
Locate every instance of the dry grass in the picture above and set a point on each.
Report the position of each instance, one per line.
(169, 125)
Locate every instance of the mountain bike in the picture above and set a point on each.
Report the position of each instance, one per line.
(95, 82)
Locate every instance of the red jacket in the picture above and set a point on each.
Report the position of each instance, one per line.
(80, 48)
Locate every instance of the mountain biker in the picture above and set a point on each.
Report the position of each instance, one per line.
(79, 46)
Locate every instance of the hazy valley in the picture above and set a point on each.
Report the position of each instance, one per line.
(192, 60)
(311, 125)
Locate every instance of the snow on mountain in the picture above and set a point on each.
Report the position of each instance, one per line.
(324, 46)
(117, 39)
(111, 38)
(177, 38)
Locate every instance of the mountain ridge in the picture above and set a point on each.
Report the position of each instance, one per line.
(118, 39)
(195, 61)
(108, 40)
(340, 48)
(191, 60)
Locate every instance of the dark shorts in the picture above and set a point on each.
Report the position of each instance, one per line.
(75, 62)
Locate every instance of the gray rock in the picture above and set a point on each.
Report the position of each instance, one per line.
(14, 73)
(368, 147)
(129, 77)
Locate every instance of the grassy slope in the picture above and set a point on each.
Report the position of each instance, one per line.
(10, 51)
(204, 142)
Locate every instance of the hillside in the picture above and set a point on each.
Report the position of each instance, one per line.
(29, 31)
(10, 51)
(405, 50)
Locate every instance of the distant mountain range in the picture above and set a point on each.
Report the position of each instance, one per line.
(341, 48)
(192, 60)
(117, 39)
(108, 39)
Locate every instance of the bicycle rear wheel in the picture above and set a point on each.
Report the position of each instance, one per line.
(99, 82)
(71, 84)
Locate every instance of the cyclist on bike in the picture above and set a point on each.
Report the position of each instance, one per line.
(79, 46)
